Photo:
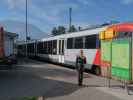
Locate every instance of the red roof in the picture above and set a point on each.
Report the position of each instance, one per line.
(121, 27)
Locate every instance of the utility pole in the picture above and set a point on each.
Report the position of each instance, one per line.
(26, 26)
(70, 18)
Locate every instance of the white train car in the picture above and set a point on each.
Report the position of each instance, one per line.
(64, 48)
(31, 48)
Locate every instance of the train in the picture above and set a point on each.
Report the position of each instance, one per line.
(117, 51)
(63, 49)
(108, 49)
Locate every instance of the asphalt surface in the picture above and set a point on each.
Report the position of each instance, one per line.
(33, 78)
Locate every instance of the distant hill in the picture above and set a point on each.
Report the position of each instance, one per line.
(19, 28)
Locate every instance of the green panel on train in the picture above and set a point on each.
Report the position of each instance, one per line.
(121, 59)
(106, 50)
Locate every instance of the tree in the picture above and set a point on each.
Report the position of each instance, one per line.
(72, 29)
(54, 31)
(61, 30)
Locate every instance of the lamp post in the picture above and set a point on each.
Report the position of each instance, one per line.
(26, 26)
(70, 18)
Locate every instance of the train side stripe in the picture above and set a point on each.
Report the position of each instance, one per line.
(96, 60)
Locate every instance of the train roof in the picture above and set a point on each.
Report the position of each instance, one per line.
(9, 34)
(76, 34)
(69, 35)
(127, 26)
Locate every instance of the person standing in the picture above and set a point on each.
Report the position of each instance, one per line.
(80, 61)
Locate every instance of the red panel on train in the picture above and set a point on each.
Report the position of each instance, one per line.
(122, 27)
(96, 60)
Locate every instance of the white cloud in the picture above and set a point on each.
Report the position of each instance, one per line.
(49, 12)
(41, 12)
(126, 2)
(16, 4)
(18, 7)
(86, 2)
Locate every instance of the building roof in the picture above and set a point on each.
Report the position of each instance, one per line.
(11, 34)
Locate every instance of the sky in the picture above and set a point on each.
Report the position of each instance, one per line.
(47, 14)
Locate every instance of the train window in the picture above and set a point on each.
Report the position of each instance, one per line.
(40, 47)
(24, 48)
(124, 34)
(69, 43)
(45, 47)
(90, 42)
(28, 48)
(59, 46)
(49, 47)
(78, 43)
(20, 47)
(31, 48)
(54, 50)
(62, 47)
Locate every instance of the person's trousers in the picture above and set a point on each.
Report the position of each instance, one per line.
(80, 76)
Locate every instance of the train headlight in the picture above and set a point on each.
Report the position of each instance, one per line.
(102, 35)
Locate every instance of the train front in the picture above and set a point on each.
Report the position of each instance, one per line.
(116, 51)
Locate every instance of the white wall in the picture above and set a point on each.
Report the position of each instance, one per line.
(8, 46)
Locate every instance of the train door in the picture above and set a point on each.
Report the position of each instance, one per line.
(61, 50)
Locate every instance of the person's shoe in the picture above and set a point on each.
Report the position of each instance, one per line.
(80, 84)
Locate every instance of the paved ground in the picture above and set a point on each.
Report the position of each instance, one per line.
(34, 78)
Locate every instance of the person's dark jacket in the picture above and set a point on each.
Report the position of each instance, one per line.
(80, 62)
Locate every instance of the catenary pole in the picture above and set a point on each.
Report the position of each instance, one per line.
(70, 18)
(26, 26)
